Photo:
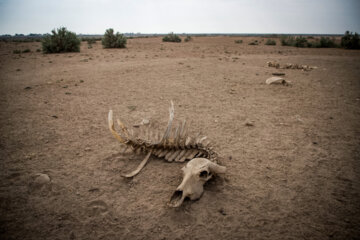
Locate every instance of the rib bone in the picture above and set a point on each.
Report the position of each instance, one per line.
(141, 166)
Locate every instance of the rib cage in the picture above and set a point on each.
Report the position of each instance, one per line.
(174, 144)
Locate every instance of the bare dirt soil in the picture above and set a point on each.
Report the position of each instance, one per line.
(292, 152)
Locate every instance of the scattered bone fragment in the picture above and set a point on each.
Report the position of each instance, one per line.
(275, 80)
(290, 66)
(41, 179)
(273, 64)
(145, 122)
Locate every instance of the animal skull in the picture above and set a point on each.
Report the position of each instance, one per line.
(196, 173)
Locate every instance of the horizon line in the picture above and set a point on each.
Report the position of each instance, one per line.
(181, 33)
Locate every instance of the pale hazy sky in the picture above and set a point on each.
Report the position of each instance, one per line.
(190, 16)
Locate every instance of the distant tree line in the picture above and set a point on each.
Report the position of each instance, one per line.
(348, 41)
(62, 40)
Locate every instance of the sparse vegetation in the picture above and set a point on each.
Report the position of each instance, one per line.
(111, 40)
(171, 37)
(287, 41)
(26, 50)
(188, 38)
(270, 42)
(91, 40)
(301, 42)
(239, 41)
(60, 41)
(324, 42)
(21, 38)
(295, 42)
(350, 40)
(254, 42)
(16, 51)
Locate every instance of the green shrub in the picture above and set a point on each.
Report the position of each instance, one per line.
(350, 41)
(295, 42)
(325, 42)
(61, 41)
(16, 51)
(171, 37)
(26, 50)
(188, 38)
(300, 42)
(287, 41)
(270, 42)
(111, 40)
(238, 41)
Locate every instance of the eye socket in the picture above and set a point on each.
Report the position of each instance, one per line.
(204, 174)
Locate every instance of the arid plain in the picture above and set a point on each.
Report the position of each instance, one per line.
(292, 152)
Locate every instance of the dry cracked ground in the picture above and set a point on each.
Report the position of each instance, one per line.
(292, 152)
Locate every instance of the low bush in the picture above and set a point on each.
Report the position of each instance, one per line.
(16, 51)
(91, 40)
(26, 51)
(270, 42)
(287, 41)
(239, 41)
(350, 40)
(295, 42)
(171, 37)
(254, 42)
(60, 41)
(188, 38)
(324, 42)
(111, 40)
(300, 42)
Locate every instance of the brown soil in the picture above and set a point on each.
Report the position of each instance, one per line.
(292, 152)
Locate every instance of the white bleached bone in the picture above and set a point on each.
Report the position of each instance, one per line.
(174, 144)
(195, 174)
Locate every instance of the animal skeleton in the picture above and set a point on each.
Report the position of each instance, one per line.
(174, 145)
